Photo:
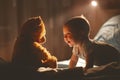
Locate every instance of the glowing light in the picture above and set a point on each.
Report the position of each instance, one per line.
(94, 3)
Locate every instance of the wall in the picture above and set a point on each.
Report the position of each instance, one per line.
(13, 14)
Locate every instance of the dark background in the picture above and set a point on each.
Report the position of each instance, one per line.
(13, 13)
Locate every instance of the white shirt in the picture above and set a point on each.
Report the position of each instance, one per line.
(76, 50)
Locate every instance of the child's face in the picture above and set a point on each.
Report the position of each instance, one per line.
(68, 37)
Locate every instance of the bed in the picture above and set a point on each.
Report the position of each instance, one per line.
(110, 32)
(65, 63)
(109, 71)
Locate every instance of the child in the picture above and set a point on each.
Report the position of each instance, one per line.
(28, 50)
(76, 35)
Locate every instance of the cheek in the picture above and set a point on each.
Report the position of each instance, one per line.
(66, 40)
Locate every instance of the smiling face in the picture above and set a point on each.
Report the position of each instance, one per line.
(76, 30)
(68, 37)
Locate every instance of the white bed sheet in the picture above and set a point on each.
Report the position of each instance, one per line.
(65, 63)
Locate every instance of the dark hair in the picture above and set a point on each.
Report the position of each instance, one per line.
(78, 26)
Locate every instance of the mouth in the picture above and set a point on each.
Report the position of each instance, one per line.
(70, 45)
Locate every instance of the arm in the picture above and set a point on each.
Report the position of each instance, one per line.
(89, 61)
(45, 57)
(48, 59)
(73, 61)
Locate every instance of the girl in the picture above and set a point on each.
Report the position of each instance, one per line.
(76, 35)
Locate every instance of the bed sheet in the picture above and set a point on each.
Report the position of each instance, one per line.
(65, 63)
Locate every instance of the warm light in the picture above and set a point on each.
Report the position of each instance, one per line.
(94, 3)
(65, 63)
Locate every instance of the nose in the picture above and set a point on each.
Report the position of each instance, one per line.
(66, 40)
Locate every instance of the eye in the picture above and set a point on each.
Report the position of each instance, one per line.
(65, 35)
